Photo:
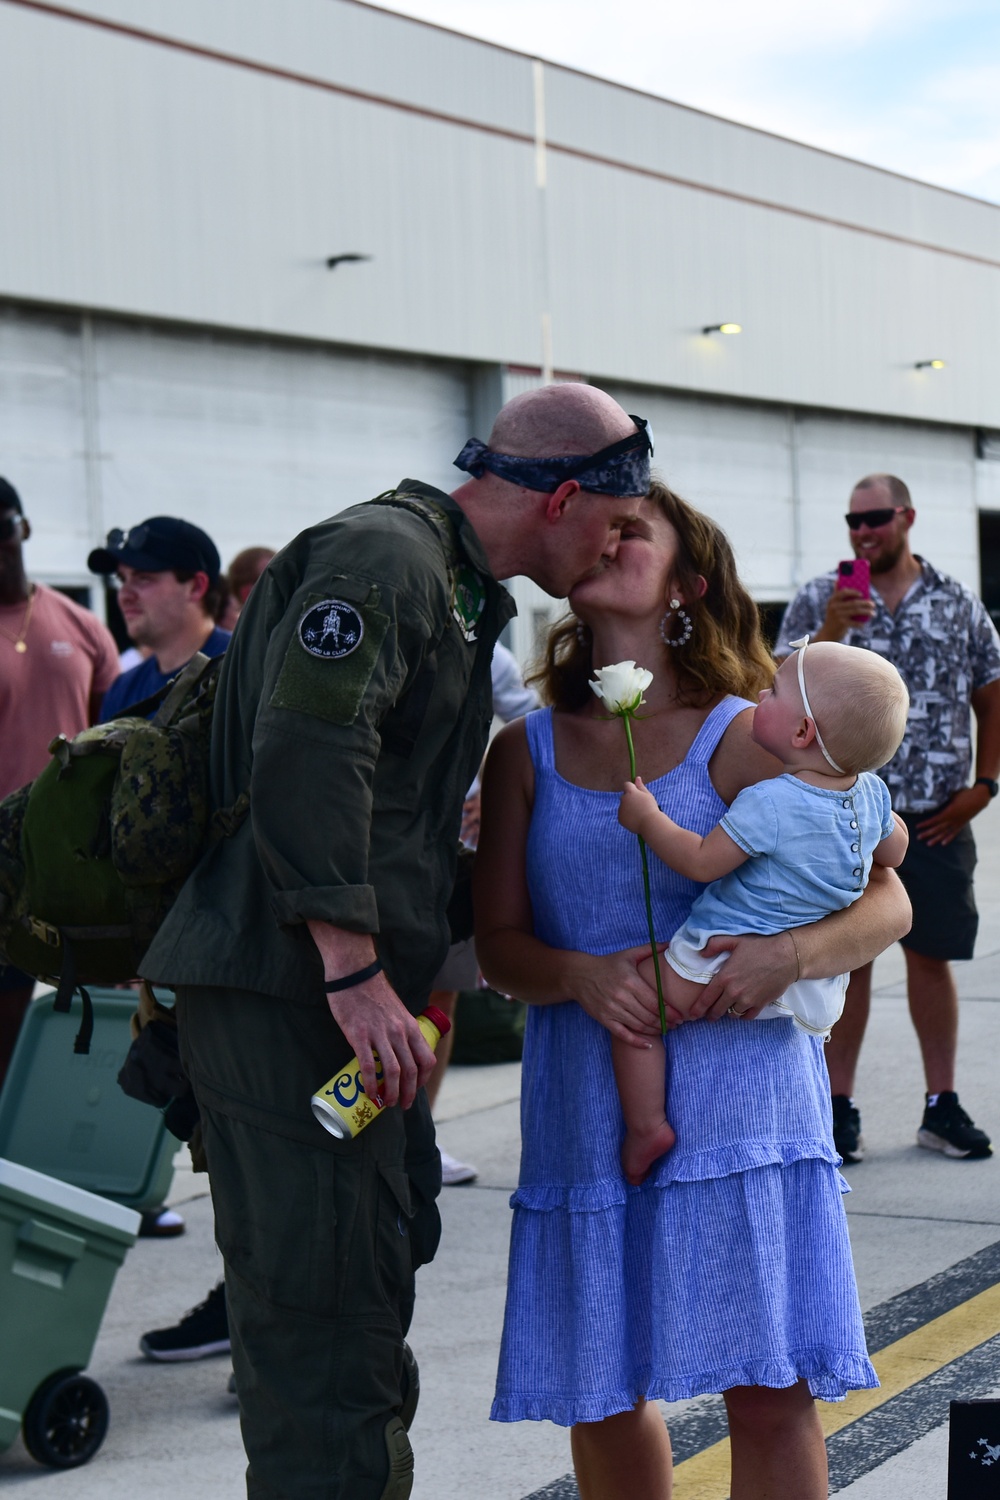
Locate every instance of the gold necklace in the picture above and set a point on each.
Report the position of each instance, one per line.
(20, 644)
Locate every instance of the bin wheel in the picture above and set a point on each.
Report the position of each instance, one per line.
(65, 1420)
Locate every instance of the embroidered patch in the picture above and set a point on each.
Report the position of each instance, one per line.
(470, 601)
(331, 629)
(307, 683)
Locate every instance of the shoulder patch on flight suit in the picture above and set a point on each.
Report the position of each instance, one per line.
(333, 653)
(331, 629)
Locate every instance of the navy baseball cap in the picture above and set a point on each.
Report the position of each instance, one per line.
(161, 544)
(9, 498)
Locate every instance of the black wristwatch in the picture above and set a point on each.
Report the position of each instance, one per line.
(991, 786)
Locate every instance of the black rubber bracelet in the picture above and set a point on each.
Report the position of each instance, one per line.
(358, 977)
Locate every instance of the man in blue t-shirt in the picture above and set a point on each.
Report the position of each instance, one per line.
(169, 590)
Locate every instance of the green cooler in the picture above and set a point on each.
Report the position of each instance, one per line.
(65, 1115)
(60, 1248)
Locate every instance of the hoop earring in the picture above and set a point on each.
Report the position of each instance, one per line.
(687, 628)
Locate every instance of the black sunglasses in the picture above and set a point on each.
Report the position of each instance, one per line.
(643, 439)
(872, 518)
(137, 538)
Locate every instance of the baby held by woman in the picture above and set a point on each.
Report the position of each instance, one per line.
(788, 851)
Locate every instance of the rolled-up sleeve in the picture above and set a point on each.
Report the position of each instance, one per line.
(335, 666)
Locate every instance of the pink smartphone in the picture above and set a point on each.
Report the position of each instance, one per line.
(855, 574)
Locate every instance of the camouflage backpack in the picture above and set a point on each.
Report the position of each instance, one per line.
(94, 851)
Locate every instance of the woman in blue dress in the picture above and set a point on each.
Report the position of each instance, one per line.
(728, 1269)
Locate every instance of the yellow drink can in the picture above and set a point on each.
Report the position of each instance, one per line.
(343, 1108)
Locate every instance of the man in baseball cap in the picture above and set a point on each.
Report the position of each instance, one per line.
(169, 591)
(168, 574)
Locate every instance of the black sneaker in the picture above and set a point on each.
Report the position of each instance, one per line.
(947, 1128)
(202, 1331)
(847, 1137)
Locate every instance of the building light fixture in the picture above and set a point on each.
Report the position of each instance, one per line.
(929, 364)
(723, 328)
(333, 261)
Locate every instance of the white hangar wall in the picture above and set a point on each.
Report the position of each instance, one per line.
(172, 340)
(200, 162)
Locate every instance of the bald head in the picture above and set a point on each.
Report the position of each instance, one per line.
(558, 420)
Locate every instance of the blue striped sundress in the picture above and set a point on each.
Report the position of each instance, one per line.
(730, 1265)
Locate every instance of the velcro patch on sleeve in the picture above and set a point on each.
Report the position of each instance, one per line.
(332, 654)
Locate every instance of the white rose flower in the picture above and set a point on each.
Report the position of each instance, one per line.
(620, 687)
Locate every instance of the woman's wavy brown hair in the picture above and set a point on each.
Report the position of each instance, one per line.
(726, 652)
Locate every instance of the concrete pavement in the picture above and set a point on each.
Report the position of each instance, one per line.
(175, 1432)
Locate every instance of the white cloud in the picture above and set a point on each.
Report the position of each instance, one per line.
(862, 78)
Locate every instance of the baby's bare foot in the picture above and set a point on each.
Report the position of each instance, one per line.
(641, 1148)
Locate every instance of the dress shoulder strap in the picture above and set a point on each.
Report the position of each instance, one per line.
(541, 745)
(707, 739)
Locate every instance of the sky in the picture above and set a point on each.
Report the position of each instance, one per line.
(912, 85)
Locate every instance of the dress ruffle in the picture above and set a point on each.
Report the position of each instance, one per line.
(698, 1166)
(617, 1293)
(829, 1377)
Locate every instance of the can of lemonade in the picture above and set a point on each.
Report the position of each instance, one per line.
(343, 1108)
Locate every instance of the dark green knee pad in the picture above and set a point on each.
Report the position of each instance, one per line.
(397, 1444)
(410, 1387)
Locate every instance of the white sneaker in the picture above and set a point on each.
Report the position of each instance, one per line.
(454, 1172)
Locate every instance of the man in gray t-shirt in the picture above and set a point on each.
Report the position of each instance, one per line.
(938, 635)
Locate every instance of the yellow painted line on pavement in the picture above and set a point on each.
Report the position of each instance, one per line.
(705, 1476)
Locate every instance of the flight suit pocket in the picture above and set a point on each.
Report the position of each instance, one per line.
(393, 1255)
(306, 1230)
(333, 653)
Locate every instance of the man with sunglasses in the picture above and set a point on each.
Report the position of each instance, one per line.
(940, 637)
(353, 707)
(168, 574)
(56, 662)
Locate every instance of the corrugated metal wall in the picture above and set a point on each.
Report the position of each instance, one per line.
(103, 423)
(779, 480)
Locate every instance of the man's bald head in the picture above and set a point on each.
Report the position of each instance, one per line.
(558, 420)
(563, 473)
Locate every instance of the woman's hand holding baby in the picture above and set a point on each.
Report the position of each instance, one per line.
(618, 992)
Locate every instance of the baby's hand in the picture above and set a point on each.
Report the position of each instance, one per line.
(636, 806)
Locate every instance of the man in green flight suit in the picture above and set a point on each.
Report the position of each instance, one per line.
(354, 707)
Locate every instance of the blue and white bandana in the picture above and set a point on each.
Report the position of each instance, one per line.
(621, 468)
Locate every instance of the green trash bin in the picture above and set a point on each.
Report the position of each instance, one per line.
(64, 1114)
(60, 1249)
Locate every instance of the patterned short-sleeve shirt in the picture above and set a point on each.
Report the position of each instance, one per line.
(944, 646)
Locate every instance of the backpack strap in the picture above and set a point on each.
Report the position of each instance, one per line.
(175, 691)
(68, 985)
(169, 698)
(437, 518)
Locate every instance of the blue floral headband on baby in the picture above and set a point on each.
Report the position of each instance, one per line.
(799, 647)
(621, 468)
